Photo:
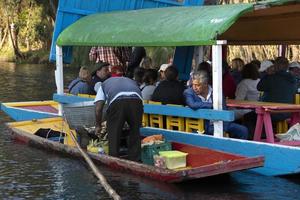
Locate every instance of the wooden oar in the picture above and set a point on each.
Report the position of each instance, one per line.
(97, 173)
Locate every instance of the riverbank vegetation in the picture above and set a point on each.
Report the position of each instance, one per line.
(26, 28)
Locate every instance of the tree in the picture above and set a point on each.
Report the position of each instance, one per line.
(26, 24)
(10, 11)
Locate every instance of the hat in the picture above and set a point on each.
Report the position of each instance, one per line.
(163, 67)
(294, 64)
(101, 65)
(265, 65)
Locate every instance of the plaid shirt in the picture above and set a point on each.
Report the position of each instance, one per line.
(115, 56)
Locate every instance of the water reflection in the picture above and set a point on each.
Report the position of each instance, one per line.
(30, 173)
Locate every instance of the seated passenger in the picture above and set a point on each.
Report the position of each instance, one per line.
(82, 84)
(100, 75)
(116, 71)
(294, 68)
(203, 66)
(229, 85)
(237, 65)
(246, 89)
(199, 96)
(170, 91)
(280, 87)
(162, 70)
(138, 75)
(149, 79)
(266, 67)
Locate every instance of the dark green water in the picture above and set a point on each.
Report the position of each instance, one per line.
(29, 173)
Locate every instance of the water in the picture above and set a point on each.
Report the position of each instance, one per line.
(30, 173)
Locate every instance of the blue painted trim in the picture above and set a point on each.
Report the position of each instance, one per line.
(279, 159)
(170, 2)
(181, 111)
(69, 98)
(20, 114)
(76, 11)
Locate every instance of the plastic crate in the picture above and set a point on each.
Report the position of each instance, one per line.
(149, 151)
(174, 159)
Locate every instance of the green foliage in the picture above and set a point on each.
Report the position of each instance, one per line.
(81, 57)
(33, 21)
(160, 55)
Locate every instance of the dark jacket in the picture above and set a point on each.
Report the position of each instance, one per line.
(169, 92)
(279, 87)
(237, 76)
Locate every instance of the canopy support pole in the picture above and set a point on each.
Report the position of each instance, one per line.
(282, 50)
(198, 55)
(217, 84)
(59, 80)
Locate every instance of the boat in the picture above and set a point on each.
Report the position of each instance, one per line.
(201, 161)
(234, 24)
(20, 111)
(221, 25)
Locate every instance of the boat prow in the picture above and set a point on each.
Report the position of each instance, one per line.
(201, 161)
(20, 111)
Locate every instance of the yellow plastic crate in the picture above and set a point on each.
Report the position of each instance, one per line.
(174, 159)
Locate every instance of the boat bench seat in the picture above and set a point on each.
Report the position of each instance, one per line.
(182, 118)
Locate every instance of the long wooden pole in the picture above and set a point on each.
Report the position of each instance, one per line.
(97, 173)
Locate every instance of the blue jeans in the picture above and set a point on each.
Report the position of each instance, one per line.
(233, 129)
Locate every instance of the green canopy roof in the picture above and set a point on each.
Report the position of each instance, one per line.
(173, 26)
(183, 26)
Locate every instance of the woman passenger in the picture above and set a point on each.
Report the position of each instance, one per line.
(149, 80)
(81, 85)
(246, 89)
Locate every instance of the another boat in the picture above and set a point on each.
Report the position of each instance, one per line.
(20, 111)
(201, 161)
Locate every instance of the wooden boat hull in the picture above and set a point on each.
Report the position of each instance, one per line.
(279, 159)
(220, 164)
(20, 111)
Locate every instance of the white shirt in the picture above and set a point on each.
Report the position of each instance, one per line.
(246, 90)
(208, 97)
(101, 96)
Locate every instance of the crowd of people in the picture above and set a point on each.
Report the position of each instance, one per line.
(135, 80)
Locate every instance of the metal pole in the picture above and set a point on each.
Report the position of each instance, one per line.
(59, 78)
(217, 84)
(198, 55)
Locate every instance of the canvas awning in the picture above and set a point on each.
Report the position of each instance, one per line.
(268, 22)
